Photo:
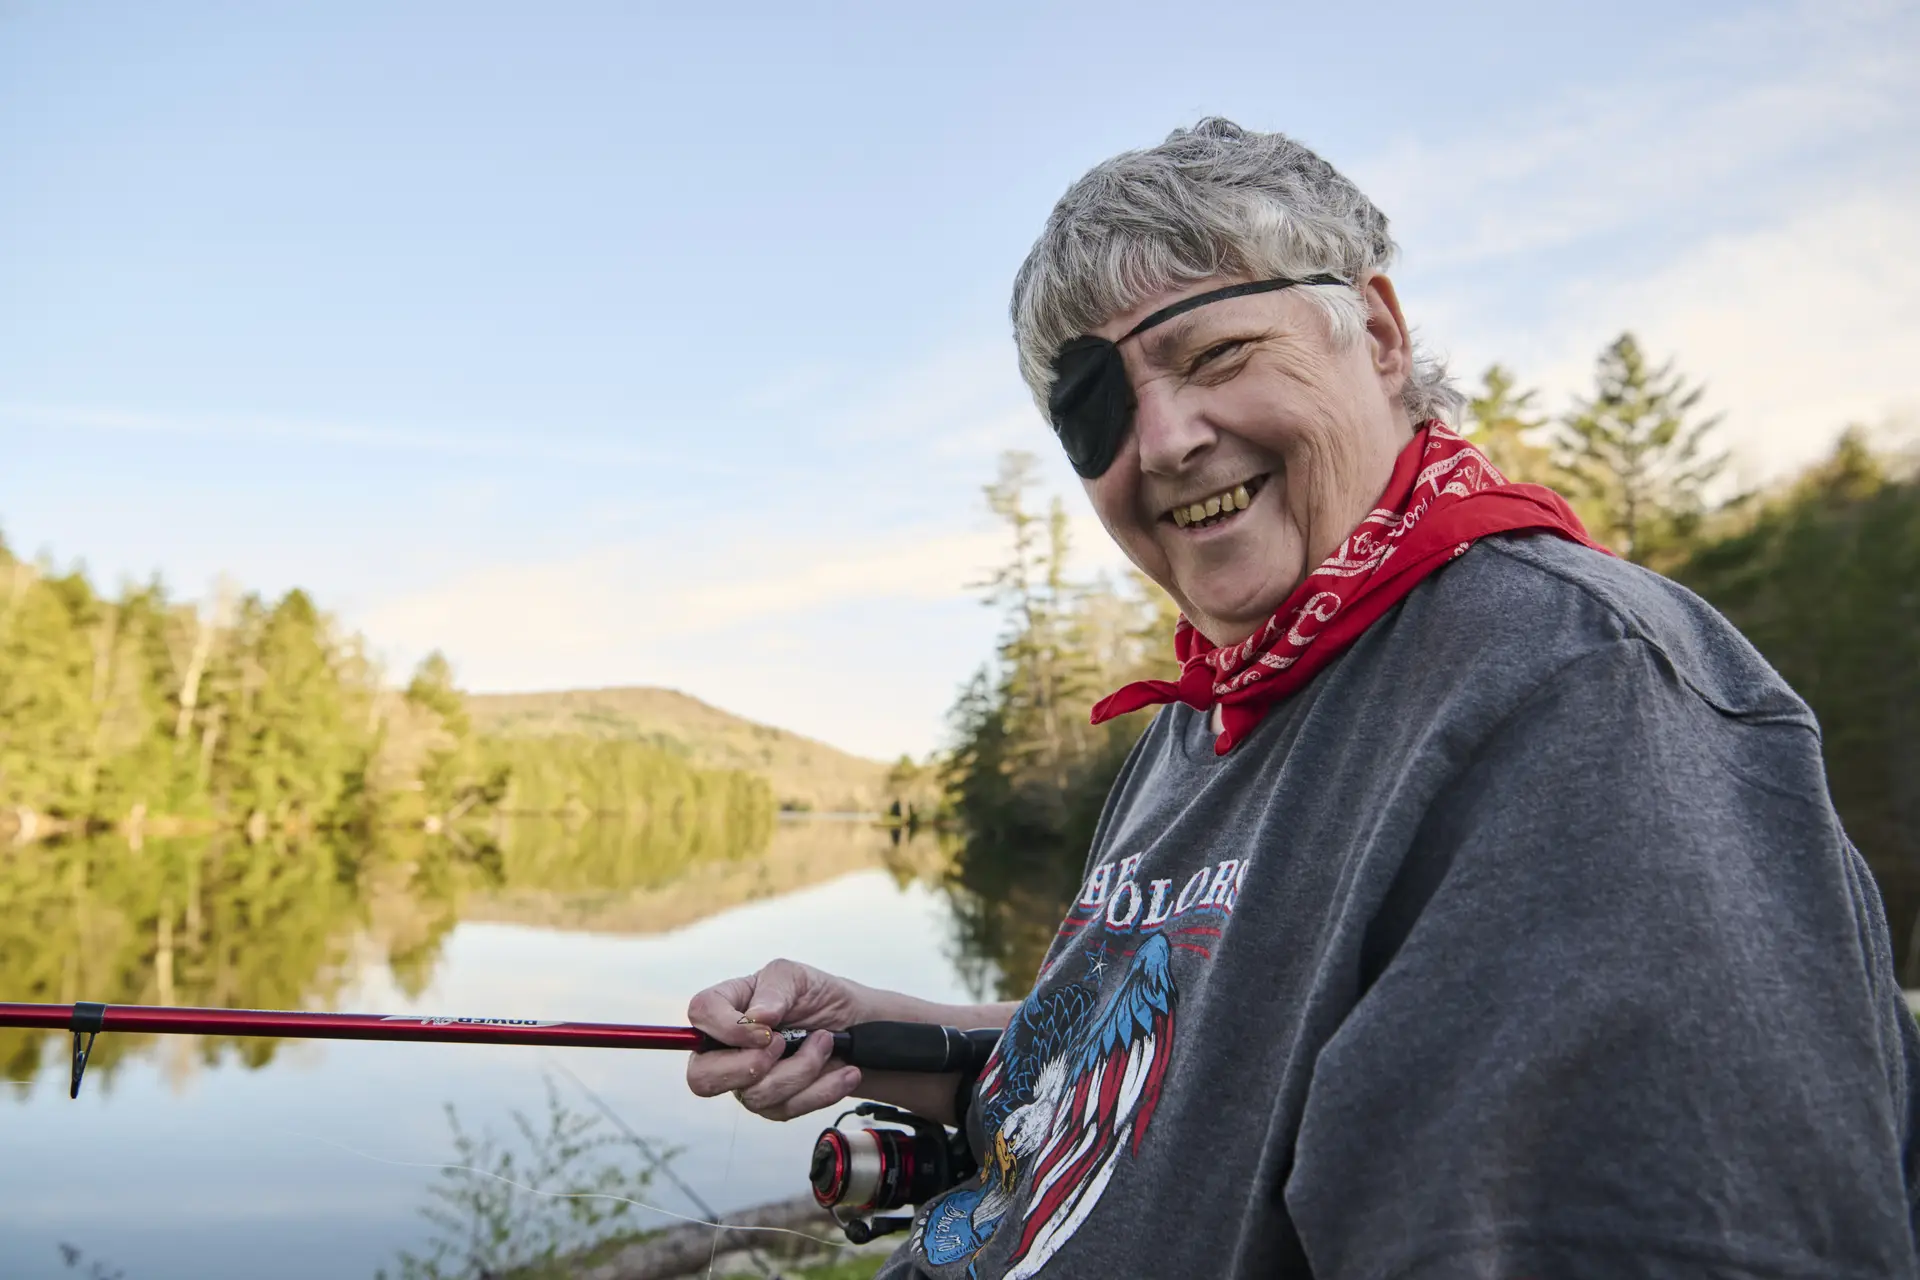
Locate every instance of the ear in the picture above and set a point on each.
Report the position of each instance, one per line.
(1388, 342)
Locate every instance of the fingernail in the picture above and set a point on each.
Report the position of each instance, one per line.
(768, 1033)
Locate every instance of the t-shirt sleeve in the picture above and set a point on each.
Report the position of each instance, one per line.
(1631, 1015)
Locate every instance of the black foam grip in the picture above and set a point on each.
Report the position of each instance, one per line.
(913, 1046)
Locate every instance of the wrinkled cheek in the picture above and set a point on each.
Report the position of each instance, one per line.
(1292, 497)
(1279, 551)
(1316, 475)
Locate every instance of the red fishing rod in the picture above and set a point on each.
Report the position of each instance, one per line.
(863, 1172)
(880, 1046)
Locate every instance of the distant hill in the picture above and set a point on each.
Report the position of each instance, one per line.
(803, 773)
(802, 853)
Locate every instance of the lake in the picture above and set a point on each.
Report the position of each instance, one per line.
(183, 1160)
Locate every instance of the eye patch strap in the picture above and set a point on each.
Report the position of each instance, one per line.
(1185, 305)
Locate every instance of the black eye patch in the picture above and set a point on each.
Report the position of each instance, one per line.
(1092, 402)
(1090, 396)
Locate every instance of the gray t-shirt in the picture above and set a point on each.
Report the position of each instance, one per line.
(1523, 942)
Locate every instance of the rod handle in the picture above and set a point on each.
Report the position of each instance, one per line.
(914, 1046)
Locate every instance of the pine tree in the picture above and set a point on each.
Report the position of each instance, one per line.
(281, 739)
(1637, 452)
(133, 766)
(1500, 417)
(1027, 774)
(1043, 673)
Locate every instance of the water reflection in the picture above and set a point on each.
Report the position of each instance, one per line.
(208, 923)
(189, 1157)
(282, 924)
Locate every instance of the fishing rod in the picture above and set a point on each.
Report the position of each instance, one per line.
(863, 1171)
(873, 1046)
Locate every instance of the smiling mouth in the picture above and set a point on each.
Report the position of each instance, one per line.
(1217, 509)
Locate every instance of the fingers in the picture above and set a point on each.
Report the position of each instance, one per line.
(720, 1012)
(775, 988)
(741, 1011)
(824, 1092)
(805, 1082)
(744, 1013)
(719, 1071)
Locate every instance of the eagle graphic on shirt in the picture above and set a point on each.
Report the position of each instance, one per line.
(1071, 1087)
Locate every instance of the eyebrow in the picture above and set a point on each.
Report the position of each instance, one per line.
(1163, 346)
(1158, 354)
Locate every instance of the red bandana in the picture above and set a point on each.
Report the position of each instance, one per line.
(1443, 495)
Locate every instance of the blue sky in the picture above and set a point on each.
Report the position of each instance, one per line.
(596, 344)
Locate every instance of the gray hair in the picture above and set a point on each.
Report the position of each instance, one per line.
(1213, 200)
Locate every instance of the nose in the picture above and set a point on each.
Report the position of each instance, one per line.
(1171, 437)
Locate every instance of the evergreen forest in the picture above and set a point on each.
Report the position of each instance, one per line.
(156, 716)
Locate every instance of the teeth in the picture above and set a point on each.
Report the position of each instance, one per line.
(1234, 499)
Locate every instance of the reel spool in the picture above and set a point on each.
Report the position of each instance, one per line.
(868, 1170)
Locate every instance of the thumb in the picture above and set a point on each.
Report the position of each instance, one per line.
(775, 990)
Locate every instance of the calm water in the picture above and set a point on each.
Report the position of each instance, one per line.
(172, 1166)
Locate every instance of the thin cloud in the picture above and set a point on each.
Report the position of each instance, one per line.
(733, 624)
(935, 401)
(989, 436)
(528, 444)
(1755, 227)
(733, 615)
(620, 595)
(1700, 130)
(1796, 329)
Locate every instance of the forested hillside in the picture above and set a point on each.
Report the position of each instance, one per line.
(154, 715)
(804, 773)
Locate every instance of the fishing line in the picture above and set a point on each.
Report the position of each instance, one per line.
(726, 1176)
(564, 1195)
(655, 1160)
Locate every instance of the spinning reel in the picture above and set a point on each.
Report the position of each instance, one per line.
(868, 1169)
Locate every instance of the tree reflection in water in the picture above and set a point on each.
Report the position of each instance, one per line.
(223, 923)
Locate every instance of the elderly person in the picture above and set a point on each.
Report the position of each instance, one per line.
(1475, 906)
